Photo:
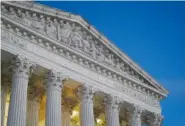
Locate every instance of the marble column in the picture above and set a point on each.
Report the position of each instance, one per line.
(21, 69)
(53, 98)
(66, 116)
(112, 110)
(68, 105)
(4, 91)
(86, 94)
(35, 95)
(135, 116)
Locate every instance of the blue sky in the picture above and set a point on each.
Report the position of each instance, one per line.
(152, 34)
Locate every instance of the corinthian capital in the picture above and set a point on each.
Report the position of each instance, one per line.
(157, 119)
(22, 66)
(137, 111)
(86, 93)
(112, 101)
(134, 115)
(54, 78)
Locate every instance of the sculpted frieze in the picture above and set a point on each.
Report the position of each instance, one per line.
(10, 37)
(38, 24)
(139, 94)
(64, 32)
(70, 34)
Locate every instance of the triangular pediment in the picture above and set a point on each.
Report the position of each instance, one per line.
(72, 31)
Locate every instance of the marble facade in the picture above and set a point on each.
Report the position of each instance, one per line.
(57, 56)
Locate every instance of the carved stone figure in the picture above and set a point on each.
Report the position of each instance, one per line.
(93, 50)
(12, 12)
(5, 34)
(18, 41)
(65, 32)
(108, 58)
(86, 44)
(122, 67)
(100, 54)
(117, 64)
(27, 18)
(19, 13)
(20, 16)
(3, 9)
(76, 38)
(38, 24)
(50, 29)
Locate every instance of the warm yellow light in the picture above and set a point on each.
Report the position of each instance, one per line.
(75, 113)
(6, 109)
(99, 121)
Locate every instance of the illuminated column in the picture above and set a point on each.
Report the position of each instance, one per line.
(67, 107)
(112, 111)
(22, 69)
(135, 116)
(53, 98)
(86, 105)
(34, 97)
(4, 91)
(66, 116)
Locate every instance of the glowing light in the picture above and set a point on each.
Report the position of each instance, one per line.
(75, 113)
(99, 121)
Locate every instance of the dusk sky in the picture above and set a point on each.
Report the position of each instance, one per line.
(150, 33)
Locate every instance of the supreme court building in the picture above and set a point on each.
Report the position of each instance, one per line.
(57, 70)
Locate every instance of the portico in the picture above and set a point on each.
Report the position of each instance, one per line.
(54, 59)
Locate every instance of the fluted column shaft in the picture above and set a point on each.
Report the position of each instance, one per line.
(22, 69)
(53, 98)
(33, 113)
(67, 106)
(135, 116)
(53, 107)
(35, 95)
(66, 116)
(4, 93)
(112, 111)
(86, 106)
